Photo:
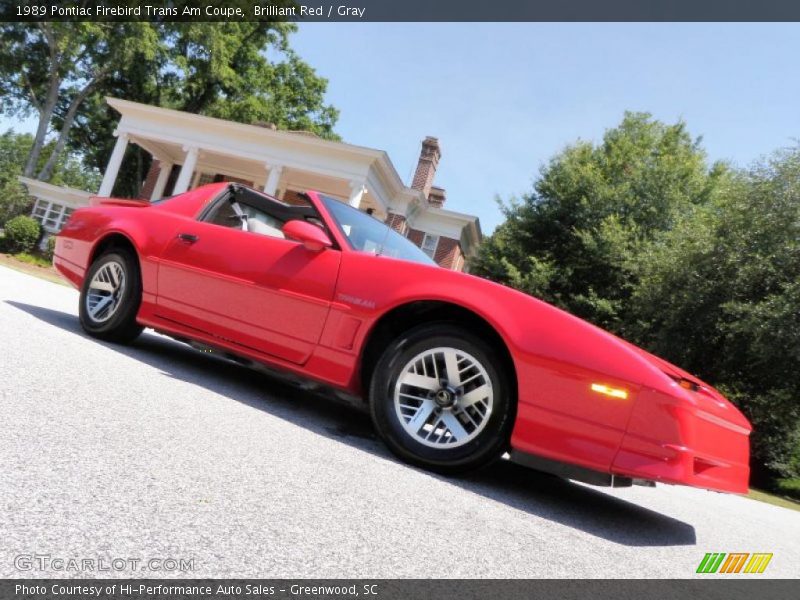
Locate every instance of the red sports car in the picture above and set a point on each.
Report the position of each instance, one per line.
(457, 370)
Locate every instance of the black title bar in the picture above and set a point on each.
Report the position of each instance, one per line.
(396, 589)
(401, 10)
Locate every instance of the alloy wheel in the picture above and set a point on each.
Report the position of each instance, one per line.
(443, 397)
(105, 292)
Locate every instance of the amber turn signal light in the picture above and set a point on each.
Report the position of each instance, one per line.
(610, 391)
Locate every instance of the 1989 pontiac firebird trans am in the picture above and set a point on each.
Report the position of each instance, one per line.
(457, 370)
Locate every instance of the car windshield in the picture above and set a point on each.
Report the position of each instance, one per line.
(367, 234)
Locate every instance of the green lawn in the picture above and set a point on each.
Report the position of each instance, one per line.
(33, 259)
(32, 265)
(786, 493)
(771, 498)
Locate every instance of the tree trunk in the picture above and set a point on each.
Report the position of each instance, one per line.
(49, 104)
(69, 119)
(45, 115)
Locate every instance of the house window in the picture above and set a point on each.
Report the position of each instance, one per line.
(51, 215)
(40, 210)
(204, 179)
(53, 218)
(220, 177)
(429, 244)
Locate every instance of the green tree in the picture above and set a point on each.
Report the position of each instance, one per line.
(243, 71)
(594, 206)
(224, 70)
(14, 151)
(51, 68)
(699, 264)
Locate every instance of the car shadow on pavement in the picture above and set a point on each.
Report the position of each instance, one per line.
(574, 505)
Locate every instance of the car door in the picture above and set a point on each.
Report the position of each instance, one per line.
(259, 291)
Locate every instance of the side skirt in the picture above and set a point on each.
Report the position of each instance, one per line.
(569, 471)
(306, 384)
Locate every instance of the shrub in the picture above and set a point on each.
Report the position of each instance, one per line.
(22, 233)
(14, 201)
(51, 248)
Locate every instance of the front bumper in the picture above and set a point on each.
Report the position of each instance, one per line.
(689, 438)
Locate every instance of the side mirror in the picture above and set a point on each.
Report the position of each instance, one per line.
(311, 236)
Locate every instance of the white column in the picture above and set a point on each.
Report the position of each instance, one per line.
(273, 179)
(161, 181)
(112, 170)
(357, 190)
(185, 177)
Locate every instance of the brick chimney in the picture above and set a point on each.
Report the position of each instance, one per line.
(426, 167)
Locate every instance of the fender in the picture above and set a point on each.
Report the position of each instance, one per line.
(148, 240)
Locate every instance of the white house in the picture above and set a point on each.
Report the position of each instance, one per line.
(191, 150)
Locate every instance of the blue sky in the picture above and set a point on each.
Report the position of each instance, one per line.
(504, 98)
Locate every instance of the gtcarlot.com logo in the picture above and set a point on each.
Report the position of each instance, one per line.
(734, 562)
(47, 562)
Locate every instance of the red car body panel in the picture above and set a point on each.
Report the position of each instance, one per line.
(311, 313)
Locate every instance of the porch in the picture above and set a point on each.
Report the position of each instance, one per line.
(190, 150)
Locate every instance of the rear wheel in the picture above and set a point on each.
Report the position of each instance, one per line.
(110, 297)
(440, 399)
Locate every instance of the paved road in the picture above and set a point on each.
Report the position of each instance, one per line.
(158, 451)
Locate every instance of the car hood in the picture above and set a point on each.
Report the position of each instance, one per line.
(678, 380)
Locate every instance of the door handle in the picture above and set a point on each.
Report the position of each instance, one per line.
(188, 238)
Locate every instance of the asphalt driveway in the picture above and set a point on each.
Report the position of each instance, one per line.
(157, 451)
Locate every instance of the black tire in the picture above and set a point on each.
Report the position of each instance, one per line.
(488, 443)
(121, 327)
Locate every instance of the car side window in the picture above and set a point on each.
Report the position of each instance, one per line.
(246, 209)
(228, 212)
(224, 214)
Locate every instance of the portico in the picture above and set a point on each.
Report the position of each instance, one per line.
(192, 149)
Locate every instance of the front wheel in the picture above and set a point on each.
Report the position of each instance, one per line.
(441, 400)
(110, 298)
